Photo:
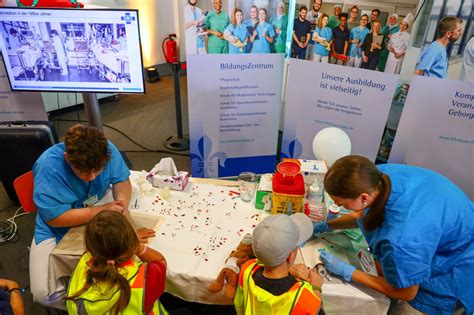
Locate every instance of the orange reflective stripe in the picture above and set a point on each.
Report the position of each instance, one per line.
(139, 282)
(307, 303)
(243, 268)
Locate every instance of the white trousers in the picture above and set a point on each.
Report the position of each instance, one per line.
(39, 276)
(354, 62)
(319, 58)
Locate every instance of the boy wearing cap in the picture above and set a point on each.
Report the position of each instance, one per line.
(270, 285)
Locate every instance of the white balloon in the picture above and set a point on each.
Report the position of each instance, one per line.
(330, 144)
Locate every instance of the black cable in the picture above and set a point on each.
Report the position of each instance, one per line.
(421, 8)
(146, 149)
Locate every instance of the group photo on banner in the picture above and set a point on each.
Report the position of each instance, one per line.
(235, 55)
(235, 27)
(346, 34)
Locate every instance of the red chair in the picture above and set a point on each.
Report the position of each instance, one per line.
(24, 190)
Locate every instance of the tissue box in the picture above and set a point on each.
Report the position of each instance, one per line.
(313, 169)
(175, 182)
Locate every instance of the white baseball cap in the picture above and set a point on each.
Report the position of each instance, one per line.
(278, 235)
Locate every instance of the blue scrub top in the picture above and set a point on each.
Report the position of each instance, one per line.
(356, 32)
(239, 31)
(58, 189)
(261, 45)
(434, 61)
(326, 33)
(426, 238)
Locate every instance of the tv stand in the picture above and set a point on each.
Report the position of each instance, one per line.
(92, 110)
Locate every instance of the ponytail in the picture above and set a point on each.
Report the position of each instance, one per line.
(376, 213)
(352, 175)
(109, 236)
(102, 271)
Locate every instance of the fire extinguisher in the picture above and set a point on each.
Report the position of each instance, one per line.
(170, 48)
(50, 3)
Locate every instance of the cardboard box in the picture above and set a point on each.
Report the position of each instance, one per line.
(263, 198)
(313, 169)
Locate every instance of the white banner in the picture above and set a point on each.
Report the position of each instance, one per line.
(436, 130)
(324, 95)
(19, 106)
(234, 110)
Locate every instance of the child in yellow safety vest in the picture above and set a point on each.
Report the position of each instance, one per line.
(272, 283)
(117, 274)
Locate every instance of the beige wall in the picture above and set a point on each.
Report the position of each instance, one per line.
(158, 18)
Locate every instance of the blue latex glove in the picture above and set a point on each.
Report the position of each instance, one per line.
(337, 266)
(320, 227)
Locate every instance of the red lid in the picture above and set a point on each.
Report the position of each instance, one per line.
(288, 168)
(291, 185)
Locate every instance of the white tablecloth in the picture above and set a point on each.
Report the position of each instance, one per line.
(201, 226)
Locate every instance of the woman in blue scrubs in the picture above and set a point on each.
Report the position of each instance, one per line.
(263, 34)
(236, 33)
(322, 36)
(418, 224)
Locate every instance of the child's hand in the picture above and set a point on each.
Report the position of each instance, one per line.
(315, 278)
(300, 272)
(8, 284)
(144, 234)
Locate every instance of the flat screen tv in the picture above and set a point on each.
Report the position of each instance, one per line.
(80, 50)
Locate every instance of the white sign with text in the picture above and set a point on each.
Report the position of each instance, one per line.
(436, 130)
(324, 95)
(234, 111)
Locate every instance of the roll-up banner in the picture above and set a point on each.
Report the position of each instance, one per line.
(235, 54)
(323, 95)
(436, 129)
(19, 106)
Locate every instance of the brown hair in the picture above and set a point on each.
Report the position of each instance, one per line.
(234, 19)
(355, 7)
(86, 148)
(320, 20)
(303, 7)
(109, 237)
(448, 24)
(353, 175)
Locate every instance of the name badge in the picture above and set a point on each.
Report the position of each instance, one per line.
(91, 200)
(366, 261)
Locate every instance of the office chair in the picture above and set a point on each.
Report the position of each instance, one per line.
(24, 189)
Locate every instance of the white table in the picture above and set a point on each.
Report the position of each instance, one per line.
(201, 226)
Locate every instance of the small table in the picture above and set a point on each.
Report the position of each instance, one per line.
(201, 226)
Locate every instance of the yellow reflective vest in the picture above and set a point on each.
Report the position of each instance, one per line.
(251, 299)
(101, 299)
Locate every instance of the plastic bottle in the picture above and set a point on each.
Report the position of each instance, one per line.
(333, 212)
(314, 208)
(315, 192)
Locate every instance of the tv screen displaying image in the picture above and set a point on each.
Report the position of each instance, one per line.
(77, 50)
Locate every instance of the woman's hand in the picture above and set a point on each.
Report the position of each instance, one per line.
(117, 205)
(144, 234)
(337, 266)
(365, 58)
(320, 227)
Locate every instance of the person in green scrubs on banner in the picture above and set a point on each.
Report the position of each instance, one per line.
(280, 23)
(216, 22)
(387, 31)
